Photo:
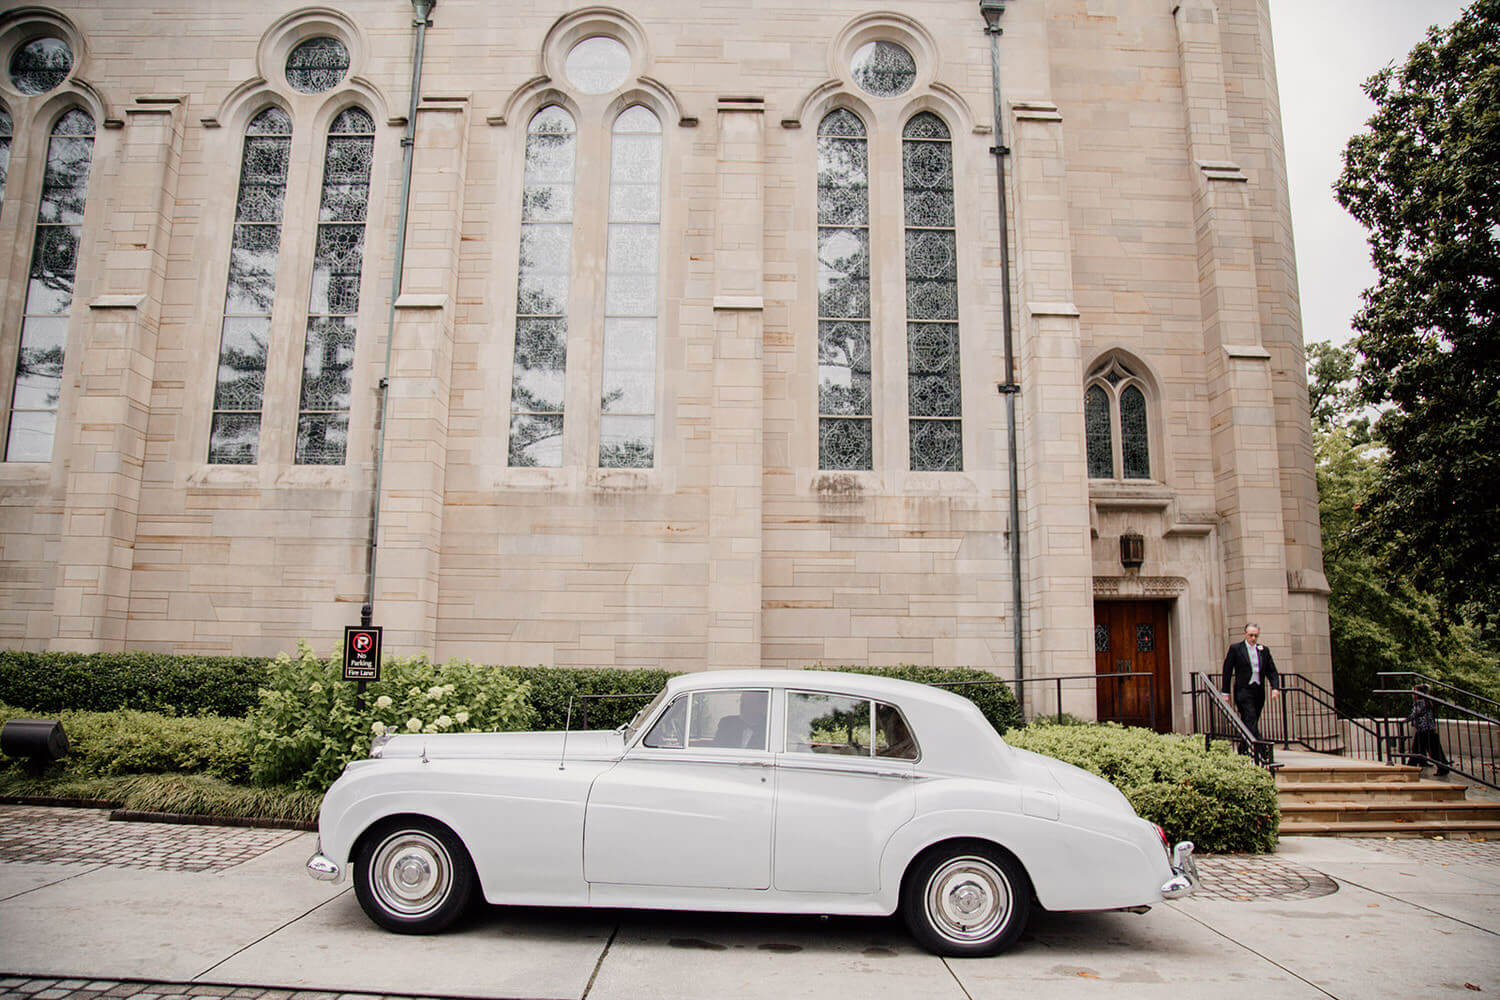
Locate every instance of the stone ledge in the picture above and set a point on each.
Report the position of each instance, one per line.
(739, 302)
(130, 300)
(420, 300)
(1248, 351)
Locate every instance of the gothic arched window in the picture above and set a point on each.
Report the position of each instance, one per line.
(235, 437)
(6, 130)
(933, 382)
(627, 424)
(845, 434)
(328, 359)
(49, 290)
(1116, 425)
(536, 402)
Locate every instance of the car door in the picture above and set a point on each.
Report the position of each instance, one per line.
(692, 802)
(844, 785)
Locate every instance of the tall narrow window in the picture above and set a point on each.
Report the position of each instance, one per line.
(1099, 438)
(49, 290)
(235, 437)
(1135, 449)
(845, 435)
(328, 360)
(933, 384)
(536, 402)
(6, 130)
(627, 426)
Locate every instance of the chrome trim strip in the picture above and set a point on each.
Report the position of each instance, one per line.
(833, 769)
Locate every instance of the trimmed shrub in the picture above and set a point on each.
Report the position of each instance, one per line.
(150, 682)
(551, 687)
(305, 728)
(994, 700)
(1215, 798)
(106, 744)
(189, 794)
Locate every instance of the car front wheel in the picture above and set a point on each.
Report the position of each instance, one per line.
(966, 900)
(413, 876)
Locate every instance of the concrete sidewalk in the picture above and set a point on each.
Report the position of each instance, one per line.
(1340, 918)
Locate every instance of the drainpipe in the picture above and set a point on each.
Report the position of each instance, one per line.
(423, 10)
(991, 10)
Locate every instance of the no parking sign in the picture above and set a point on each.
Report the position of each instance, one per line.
(361, 653)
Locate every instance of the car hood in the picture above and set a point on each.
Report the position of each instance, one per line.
(1075, 781)
(541, 746)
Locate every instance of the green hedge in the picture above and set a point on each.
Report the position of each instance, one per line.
(1217, 799)
(108, 744)
(994, 700)
(150, 682)
(551, 687)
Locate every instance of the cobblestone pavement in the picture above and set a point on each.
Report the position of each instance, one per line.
(1438, 852)
(23, 988)
(50, 835)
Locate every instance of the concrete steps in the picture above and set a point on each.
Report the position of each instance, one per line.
(1328, 796)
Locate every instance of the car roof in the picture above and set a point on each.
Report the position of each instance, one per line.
(837, 682)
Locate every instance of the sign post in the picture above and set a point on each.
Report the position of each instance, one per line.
(361, 658)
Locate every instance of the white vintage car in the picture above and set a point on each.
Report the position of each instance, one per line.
(772, 791)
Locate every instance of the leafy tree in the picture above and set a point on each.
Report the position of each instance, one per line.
(1423, 179)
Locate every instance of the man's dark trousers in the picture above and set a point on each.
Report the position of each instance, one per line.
(1249, 700)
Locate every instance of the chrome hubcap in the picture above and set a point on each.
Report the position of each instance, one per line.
(411, 873)
(968, 900)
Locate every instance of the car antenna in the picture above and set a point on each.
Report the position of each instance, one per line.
(562, 765)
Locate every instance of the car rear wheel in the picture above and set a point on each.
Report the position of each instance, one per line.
(966, 900)
(413, 876)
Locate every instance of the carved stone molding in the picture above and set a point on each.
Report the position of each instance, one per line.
(1139, 586)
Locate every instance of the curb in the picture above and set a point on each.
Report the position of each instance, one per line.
(51, 800)
(188, 819)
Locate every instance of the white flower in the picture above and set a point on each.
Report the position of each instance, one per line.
(378, 728)
(449, 689)
(315, 687)
(462, 717)
(384, 701)
(413, 692)
(442, 722)
(434, 693)
(414, 724)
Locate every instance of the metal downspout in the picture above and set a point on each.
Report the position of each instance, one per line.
(991, 10)
(423, 11)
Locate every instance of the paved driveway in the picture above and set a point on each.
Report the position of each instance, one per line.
(98, 901)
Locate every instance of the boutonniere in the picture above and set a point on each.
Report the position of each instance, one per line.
(1259, 648)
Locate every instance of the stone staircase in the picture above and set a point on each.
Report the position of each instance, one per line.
(1328, 796)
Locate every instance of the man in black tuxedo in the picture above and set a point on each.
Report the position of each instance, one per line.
(1248, 671)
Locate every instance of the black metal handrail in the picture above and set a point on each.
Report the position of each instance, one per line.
(1491, 706)
(1469, 738)
(1215, 719)
(1057, 682)
(1309, 715)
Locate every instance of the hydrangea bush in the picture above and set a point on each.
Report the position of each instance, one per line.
(305, 727)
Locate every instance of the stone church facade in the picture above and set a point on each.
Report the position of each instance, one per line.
(698, 355)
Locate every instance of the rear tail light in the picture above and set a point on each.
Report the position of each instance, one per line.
(1161, 833)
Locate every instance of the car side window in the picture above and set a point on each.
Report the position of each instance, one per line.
(733, 720)
(893, 738)
(671, 727)
(827, 723)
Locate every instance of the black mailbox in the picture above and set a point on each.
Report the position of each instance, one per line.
(41, 741)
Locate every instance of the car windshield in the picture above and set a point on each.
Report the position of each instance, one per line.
(634, 725)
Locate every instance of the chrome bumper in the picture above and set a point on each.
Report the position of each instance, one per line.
(1184, 872)
(322, 868)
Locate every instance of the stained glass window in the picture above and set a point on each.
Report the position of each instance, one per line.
(328, 358)
(1101, 639)
(1135, 447)
(1097, 435)
(41, 65)
(934, 396)
(49, 290)
(627, 425)
(536, 402)
(883, 69)
(6, 130)
(1145, 638)
(235, 437)
(844, 423)
(317, 65)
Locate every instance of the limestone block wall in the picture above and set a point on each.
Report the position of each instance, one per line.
(734, 548)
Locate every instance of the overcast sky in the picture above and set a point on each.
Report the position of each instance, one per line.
(1324, 50)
